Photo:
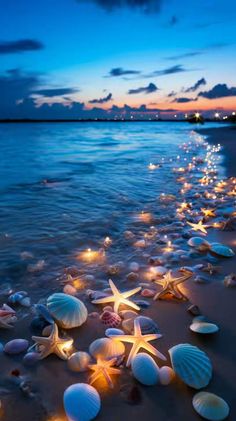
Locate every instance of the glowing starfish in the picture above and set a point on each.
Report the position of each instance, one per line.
(170, 285)
(52, 345)
(139, 341)
(208, 212)
(198, 227)
(118, 297)
(103, 368)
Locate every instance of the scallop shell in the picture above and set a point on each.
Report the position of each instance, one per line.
(166, 375)
(110, 319)
(113, 331)
(147, 325)
(79, 361)
(199, 243)
(107, 348)
(191, 364)
(81, 402)
(68, 311)
(210, 406)
(144, 369)
(222, 250)
(204, 327)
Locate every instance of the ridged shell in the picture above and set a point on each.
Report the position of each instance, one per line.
(191, 364)
(166, 375)
(199, 243)
(144, 369)
(79, 361)
(146, 323)
(81, 402)
(113, 331)
(204, 327)
(210, 406)
(110, 319)
(222, 250)
(107, 348)
(68, 311)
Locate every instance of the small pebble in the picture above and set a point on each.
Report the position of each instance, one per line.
(194, 310)
(132, 276)
(16, 346)
(148, 293)
(69, 290)
(142, 303)
(134, 267)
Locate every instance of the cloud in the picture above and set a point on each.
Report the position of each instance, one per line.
(146, 89)
(204, 50)
(20, 46)
(119, 71)
(196, 86)
(101, 100)
(185, 55)
(178, 68)
(148, 6)
(218, 91)
(52, 92)
(184, 100)
(171, 94)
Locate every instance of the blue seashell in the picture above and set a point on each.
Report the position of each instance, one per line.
(142, 303)
(44, 313)
(15, 298)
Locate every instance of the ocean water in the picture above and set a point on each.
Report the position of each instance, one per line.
(65, 187)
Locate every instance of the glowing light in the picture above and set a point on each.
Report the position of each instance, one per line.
(139, 341)
(198, 227)
(208, 212)
(145, 217)
(152, 166)
(107, 242)
(103, 368)
(90, 256)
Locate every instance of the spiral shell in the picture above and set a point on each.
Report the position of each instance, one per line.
(191, 364)
(210, 406)
(144, 369)
(68, 311)
(81, 402)
(106, 349)
(110, 319)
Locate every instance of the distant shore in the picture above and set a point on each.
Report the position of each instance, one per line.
(105, 120)
(226, 136)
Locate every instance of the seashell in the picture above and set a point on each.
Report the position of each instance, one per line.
(68, 311)
(81, 402)
(113, 331)
(15, 298)
(222, 250)
(69, 290)
(134, 267)
(166, 375)
(149, 293)
(128, 325)
(210, 406)
(110, 319)
(107, 349)
(191, 364)
(129, 235)
(199, 243)
(108, 308)
(95, 295)
(44, 313)
(147, 325)
(204, 327)
(16, 346)
(194, 310)
(144, 369)
(132, 276)
(230, 280)
(7, 311)
(140, 243)
(142, 303)
(25, 302)
(31, 358)
(128, 314)
(79, 361)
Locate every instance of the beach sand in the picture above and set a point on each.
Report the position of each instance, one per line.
(162, 403)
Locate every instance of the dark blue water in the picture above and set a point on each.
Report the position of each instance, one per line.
(64, 187)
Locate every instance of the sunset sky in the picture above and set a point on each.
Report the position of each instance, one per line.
(77, 58)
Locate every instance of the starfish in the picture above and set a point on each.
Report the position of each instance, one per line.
(52, 344)
(118, 297)
(139, 341)
(208, 212)
(198, 227)
(170, 285)
(103, 368)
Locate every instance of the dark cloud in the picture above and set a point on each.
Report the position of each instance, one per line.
(146, 89)
(171, 94)
(141, 109)
(147, 6)
(185, 55)
(196, 86)
(101, 100)
(178, 68)
(218, 91)
(204, 50)
(119, 71)
(183, 100)
(52, 92)
(20, 46)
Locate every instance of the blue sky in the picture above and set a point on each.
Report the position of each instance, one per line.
(73, 45)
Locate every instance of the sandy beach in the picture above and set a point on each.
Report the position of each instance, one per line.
(50, 377)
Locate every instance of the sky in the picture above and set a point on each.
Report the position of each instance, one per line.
(116, 58)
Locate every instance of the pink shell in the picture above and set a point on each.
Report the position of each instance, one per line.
(110, 319)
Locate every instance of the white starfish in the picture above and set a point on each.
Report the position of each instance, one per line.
(118, 297)
(52, 345)
(139, 341)
(198, 227)
(170, 285)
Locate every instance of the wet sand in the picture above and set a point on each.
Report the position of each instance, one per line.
(173, 402)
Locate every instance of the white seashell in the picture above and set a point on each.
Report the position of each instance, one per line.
(25, 302)
(204, 327)
(166, 375)
(68, 311)
(144, 369)
(222, 250)
(113, 331)
(199, 243)
(191, 364)
(79, 361)
(81, 402)
(210, 406)
(106, 349)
